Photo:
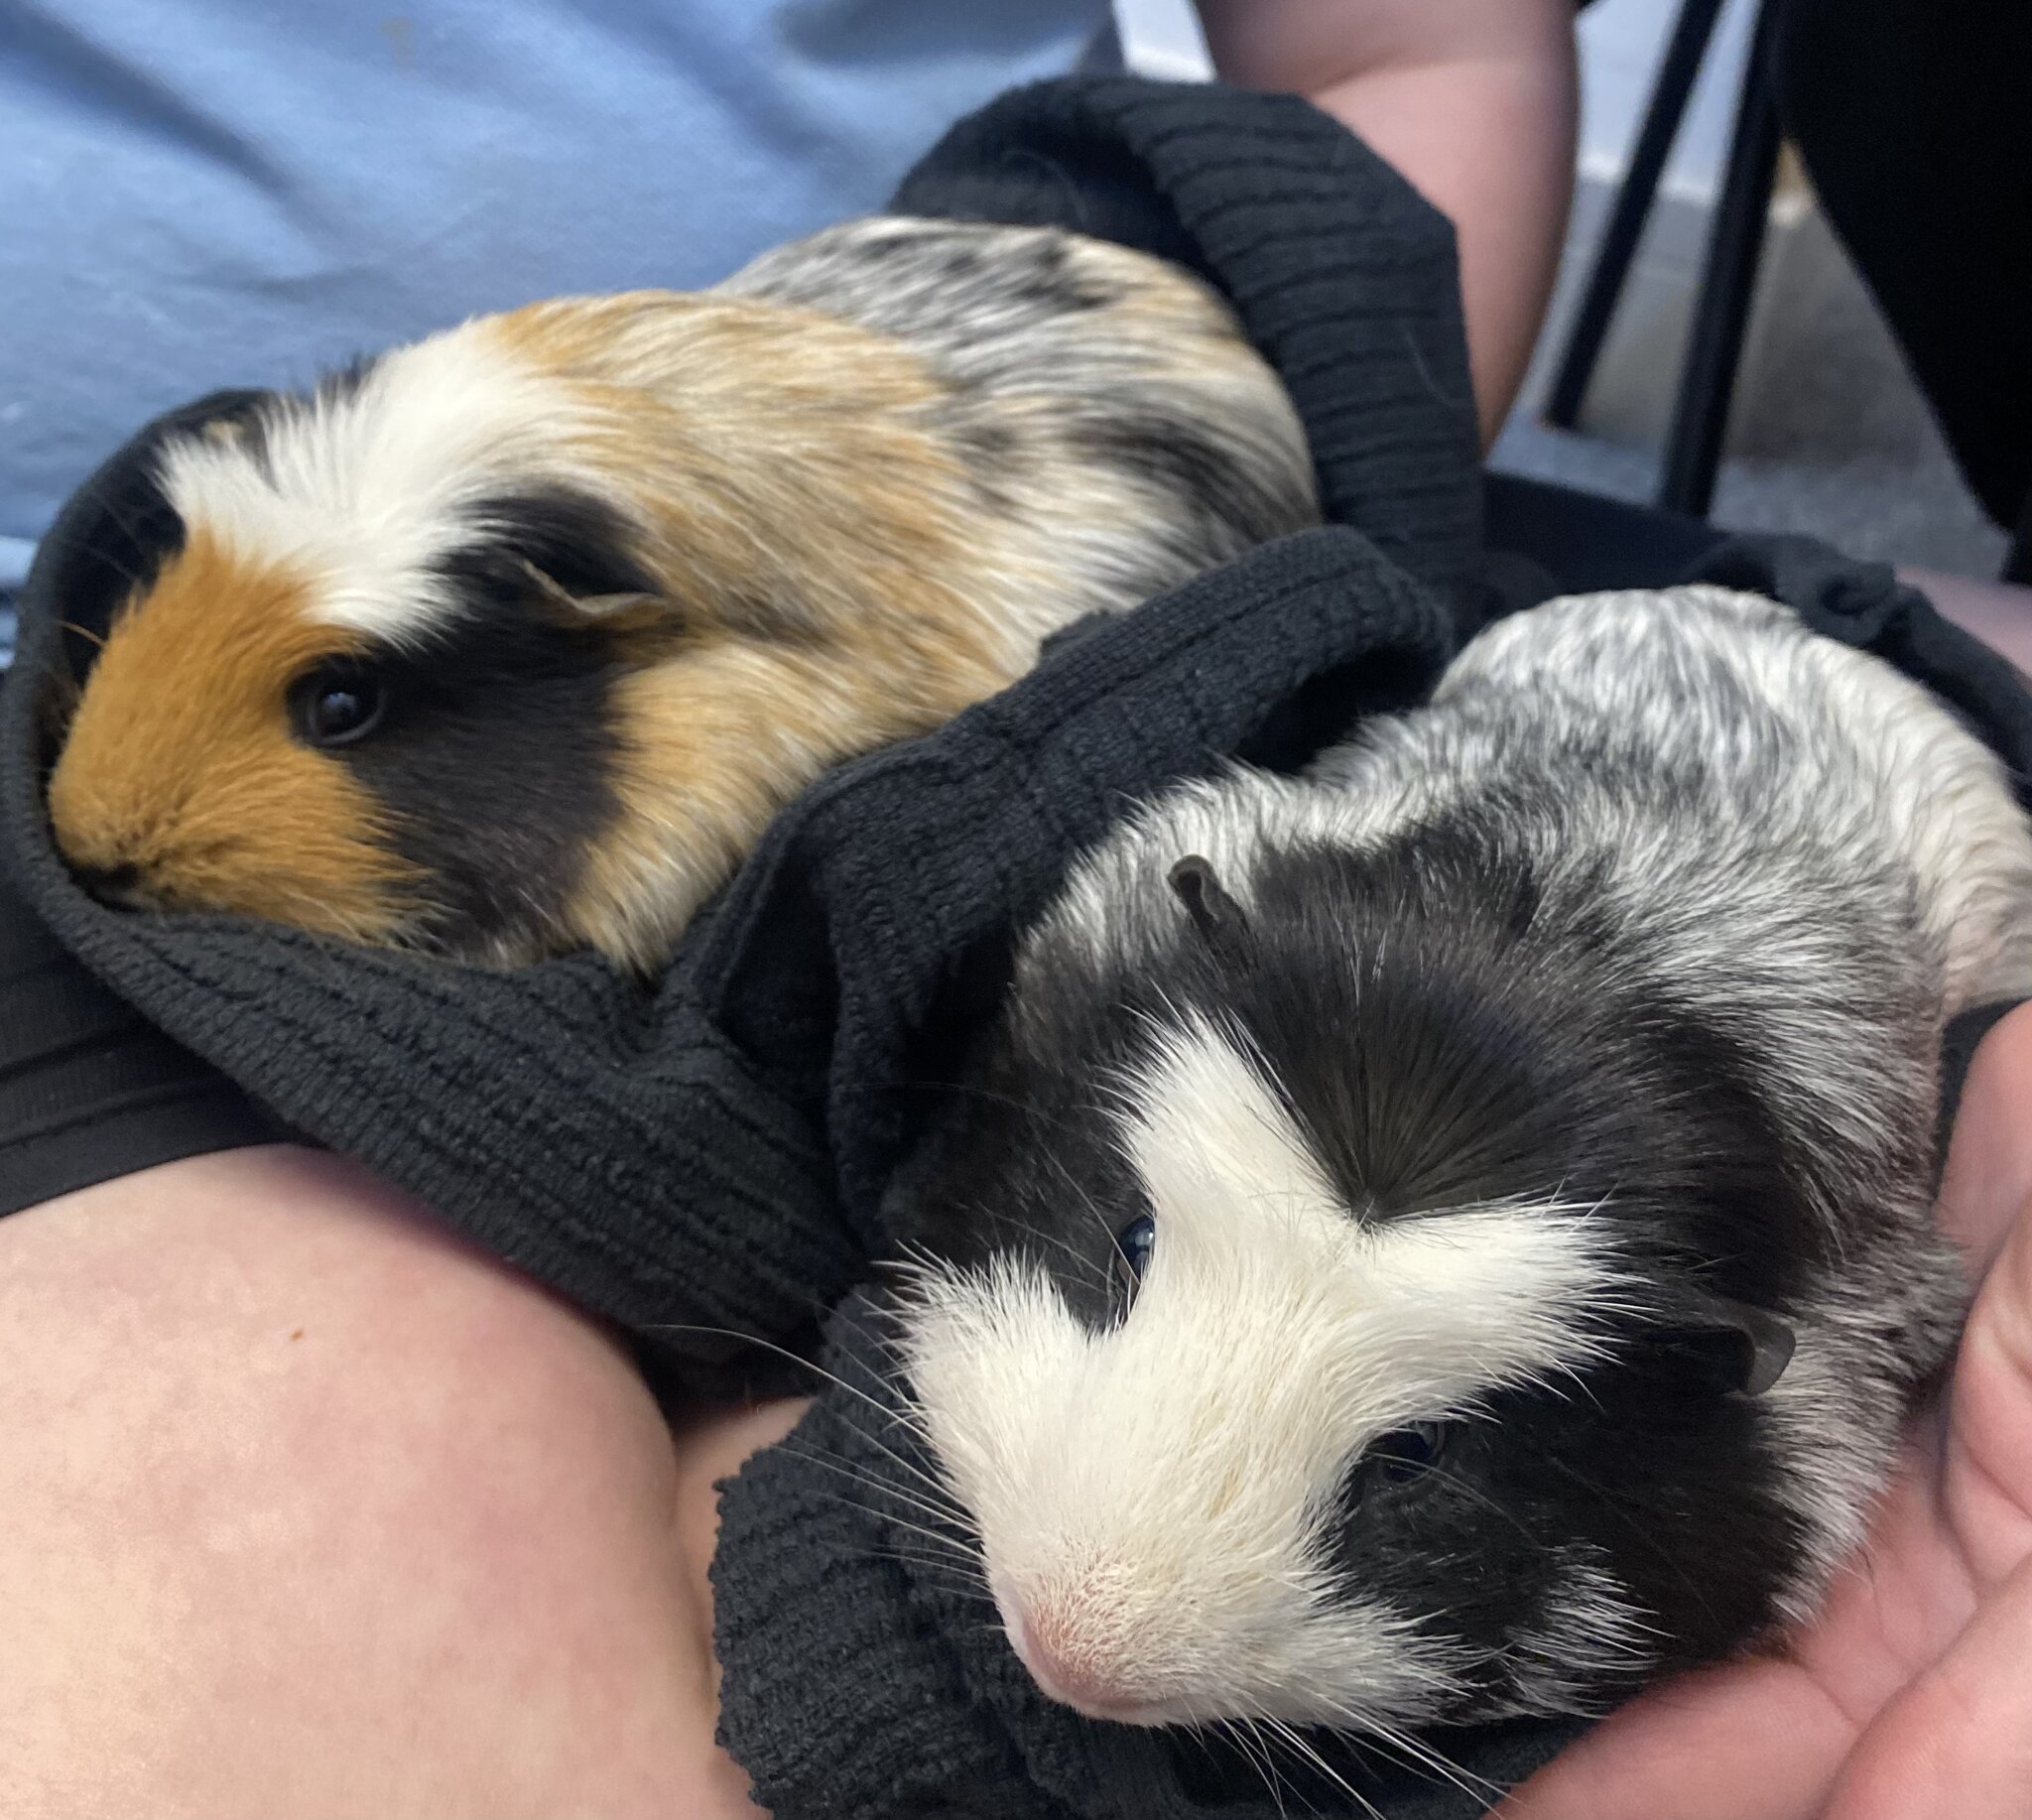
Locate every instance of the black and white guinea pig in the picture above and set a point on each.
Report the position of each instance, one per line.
(511, 641)
(1448, 1236)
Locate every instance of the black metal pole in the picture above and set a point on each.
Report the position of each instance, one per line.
(1706, 381)
(1677, 72)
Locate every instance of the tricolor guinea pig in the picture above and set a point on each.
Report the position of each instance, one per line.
(1448, 1236)
(511, 641)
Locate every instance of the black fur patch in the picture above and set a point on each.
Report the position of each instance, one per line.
(1198, 466)
(1461, 1052)
(992, 452)
(119, 528)
(1027, 1162)
(495, 755)
(1665, 1489)
(982, 270)
(581, 543)
(1046, 276)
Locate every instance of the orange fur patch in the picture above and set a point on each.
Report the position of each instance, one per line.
(792, 472)
(712, 749)
(180, 762)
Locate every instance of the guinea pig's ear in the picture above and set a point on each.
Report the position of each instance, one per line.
(1730, 1346)
(578, 609)
(573, 555)
(1219, 921)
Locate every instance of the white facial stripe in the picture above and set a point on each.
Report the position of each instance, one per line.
(1429, 1309)
(362, 492)
(1122, 1488)
(1158, 1490)
(1206, 1131)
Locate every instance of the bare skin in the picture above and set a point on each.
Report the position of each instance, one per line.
(1997, 612)
(314, 1511)
(1476, 102)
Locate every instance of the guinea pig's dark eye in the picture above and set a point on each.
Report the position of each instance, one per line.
(337, 703)
(1133, 1245)
(1405, 1453)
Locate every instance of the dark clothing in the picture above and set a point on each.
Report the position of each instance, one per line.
(90, 1089)
(1911, 116)
(710, 1153)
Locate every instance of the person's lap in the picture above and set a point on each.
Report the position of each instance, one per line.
(313, 1510)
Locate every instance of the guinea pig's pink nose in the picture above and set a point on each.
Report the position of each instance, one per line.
(1070, 1665)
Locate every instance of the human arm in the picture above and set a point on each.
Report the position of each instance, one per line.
(1475, 101)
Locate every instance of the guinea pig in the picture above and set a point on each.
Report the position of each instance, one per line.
(1448, 1236)
(511, 641)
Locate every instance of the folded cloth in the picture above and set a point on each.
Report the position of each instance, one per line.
(705, 1157)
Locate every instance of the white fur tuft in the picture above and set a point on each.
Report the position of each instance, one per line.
(361, 488)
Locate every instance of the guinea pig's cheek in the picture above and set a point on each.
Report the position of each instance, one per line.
(977, 1344)
(260, 828)
(1151, 1560)
(306, 845)
(179, 785)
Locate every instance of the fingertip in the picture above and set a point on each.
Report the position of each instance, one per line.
(1988, 1178)
(1755, 1741)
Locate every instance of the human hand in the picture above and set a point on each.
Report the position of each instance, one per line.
(1912, 1694)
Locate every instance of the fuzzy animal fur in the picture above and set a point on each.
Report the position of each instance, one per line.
(1498, 1094)
(624, 574)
